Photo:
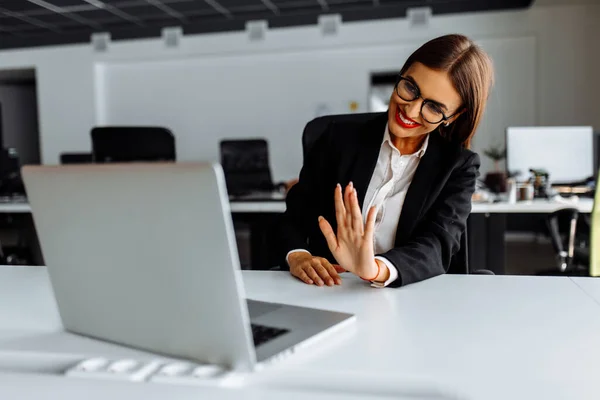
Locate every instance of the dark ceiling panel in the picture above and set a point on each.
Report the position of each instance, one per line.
(296, 3)
(26, 23)
(193, 8)
(287, 7)
(341, 6)
(18, 5)
(11, 22)
(143, 10)
(229, 4)
(65, 3)
(98, 15)
(54, 19)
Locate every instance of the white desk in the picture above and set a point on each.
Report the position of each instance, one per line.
(584, 205)
(591, 286)
(475, 337)
(277, 205)
(263, 207)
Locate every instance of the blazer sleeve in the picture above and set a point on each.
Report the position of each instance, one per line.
(437, 236)
(303, 200)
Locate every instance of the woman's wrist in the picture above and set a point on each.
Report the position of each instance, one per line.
(379, 272)
(383, 272)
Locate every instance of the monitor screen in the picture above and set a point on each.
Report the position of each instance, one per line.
(566, 153)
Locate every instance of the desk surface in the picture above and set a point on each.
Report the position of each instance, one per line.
(584, 205)
(591, 286)
(480, 337)
(277, 205)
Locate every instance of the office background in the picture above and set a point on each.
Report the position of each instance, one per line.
(224, 85)
(453, 336)
(236, 83)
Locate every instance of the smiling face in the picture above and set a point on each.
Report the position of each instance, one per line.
(404, 117)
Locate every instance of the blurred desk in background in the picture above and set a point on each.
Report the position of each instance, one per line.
(489, 223)
(537, 206)
(254, 218)
(255, 214)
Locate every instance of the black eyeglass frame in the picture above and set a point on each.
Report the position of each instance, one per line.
(425, 101)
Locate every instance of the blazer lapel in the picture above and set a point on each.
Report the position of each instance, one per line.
(419, 189)
(368, 148)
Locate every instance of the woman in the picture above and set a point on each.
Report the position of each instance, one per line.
(409, 170)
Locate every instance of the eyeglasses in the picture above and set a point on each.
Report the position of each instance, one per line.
(430, 111)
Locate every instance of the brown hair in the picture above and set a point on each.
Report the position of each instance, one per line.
(472, 75)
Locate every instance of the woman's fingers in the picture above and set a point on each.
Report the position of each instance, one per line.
(300, 274)
(357, 222)
(316, 270)
(319, 267)
(329, 234)
(340, 210)
(312, 274)
(370, 225)
(331, 271)
(348, 204)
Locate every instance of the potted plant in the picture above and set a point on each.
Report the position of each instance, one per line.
(496, 180)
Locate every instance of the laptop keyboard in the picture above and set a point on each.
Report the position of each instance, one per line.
(263, 334)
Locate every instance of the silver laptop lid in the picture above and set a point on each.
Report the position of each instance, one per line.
(144, 255)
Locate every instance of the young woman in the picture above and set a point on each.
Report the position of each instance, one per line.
(388, 199)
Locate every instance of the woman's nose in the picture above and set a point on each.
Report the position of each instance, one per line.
(413, 109)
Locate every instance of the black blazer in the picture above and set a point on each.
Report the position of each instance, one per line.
(434, 213)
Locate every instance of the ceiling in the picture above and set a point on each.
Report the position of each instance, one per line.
(27, 23)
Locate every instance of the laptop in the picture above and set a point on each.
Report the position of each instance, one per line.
(144, 255)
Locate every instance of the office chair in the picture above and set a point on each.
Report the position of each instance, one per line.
(132, 143)
(246, 167)
(315, 128)
(11, 183)
(76, 158)
(572, 258)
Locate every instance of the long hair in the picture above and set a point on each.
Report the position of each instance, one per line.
(472, 75)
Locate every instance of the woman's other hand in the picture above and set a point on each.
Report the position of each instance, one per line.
(314, 270)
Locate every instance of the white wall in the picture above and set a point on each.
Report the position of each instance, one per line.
(78, 89)
(19, 120)
(65, 89)
(273, 95)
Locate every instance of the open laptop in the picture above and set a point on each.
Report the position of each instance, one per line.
(144, 255)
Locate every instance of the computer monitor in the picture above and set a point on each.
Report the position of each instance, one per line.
(566, 153)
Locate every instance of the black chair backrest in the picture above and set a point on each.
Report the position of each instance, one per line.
(132, 143)
(315, 128)
(245, 164)
(76, 158)
(11, 183)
